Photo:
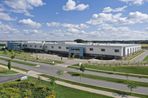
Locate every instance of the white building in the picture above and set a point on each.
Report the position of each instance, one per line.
(85, 49)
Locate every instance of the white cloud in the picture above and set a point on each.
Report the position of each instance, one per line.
(76, 26)
(53, 24)
(136, 2)
(109, 9)
(107, 18)
(137, 17)
(30, 22)
(7, 29)
(115, 26)
(67, 25)
(4, 15)
(36, 3)
(118, 19)
(23, 6)
(110, 32)
(71, 5)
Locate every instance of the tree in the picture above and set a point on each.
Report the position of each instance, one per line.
(52, 87)
(9, 64)
(79, 41)
(131, 85)
(82, 69)
(12, 55)
(52, 83)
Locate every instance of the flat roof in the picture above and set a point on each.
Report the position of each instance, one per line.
(94, 44)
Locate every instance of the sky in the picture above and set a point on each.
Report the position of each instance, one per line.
(56, 20)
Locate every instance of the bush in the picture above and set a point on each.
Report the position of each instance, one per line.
(23, 89)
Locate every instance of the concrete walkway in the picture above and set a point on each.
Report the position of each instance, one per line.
(91, 90)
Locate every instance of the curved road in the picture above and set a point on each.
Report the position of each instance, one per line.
(52, 70)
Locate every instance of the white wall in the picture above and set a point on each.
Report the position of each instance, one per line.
(132, 49)
(109, 50)
(34, 46)
(48, 47)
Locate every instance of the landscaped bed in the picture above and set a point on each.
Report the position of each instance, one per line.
(35, 88)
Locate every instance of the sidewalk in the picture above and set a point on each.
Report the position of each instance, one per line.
(91, 90)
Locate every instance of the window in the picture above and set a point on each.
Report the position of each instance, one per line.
(45, 46)
(40, 46)
(30, 45)
(91, 49)
(75, 49)
(35, 46)
(116, 50)
(103, 50)
(67, 47)
(24, 45)
(52, 47)
(59, 47)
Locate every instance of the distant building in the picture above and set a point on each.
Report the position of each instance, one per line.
(14, 45)
(82, 50)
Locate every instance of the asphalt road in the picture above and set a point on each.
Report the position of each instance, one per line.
(10, 78)
(44, 66)
(52, 70)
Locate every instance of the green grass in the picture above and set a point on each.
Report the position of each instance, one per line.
(61, 91)
(17, 61)
(108, 79)
(126, 69)
(146, 59)
(28, 57)
(144, 46)
(97, 87)
(16, 68)
(6, 71)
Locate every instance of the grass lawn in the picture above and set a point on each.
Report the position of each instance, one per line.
(144, 46)
(126, 69)
(28, 57)
(6, 71)
(61, 91)
(97, 87)
(17, 61)
(146, 59)
(108, 79)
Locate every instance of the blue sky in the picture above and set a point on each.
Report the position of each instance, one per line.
(72, 19)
